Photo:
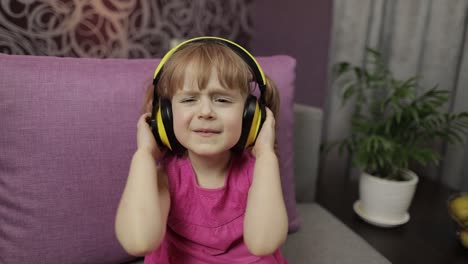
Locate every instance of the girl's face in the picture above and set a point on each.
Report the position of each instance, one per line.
(207, 122)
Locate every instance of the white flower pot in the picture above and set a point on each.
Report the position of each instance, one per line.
(385, 202)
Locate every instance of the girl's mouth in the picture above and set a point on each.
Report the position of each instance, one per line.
(206, 132)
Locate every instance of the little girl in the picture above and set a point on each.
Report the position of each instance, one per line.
(204, 183)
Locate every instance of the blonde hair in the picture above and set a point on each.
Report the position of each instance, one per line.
(233, 73)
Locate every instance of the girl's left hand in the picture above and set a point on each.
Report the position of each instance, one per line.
(266, 138)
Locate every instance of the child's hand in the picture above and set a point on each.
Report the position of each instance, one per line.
(145, 138)
(266, 138)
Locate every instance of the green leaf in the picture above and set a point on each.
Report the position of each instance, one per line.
(348, 92)
(373, 53)
(414, 114)
(341, 68)
(398, 116)
(410, 82)
(358, 73)
(455, 137)
(342, 146)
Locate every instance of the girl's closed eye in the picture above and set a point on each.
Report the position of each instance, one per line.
(223, 100)
(187, 100)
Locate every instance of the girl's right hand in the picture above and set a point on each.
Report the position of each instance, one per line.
(145, 137)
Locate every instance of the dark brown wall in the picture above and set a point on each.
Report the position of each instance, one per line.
(300, 28)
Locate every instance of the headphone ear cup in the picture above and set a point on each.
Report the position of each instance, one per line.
(154, 127)
(257, 123)
(165, 127)
(250, 123)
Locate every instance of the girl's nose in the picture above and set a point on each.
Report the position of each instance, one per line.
(206, 110)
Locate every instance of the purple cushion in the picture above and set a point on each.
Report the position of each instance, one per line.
(282, 70)
(67, 136)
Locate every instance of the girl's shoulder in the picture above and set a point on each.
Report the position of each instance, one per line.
(243, 166)
(170, 161)
(175, 167)
(244, 161)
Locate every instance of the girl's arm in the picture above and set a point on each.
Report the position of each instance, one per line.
(266, 219)
(141, 218)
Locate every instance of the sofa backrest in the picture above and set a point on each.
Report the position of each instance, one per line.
(67, 135)
(307, 138)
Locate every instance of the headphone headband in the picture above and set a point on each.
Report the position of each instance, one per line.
(243, 53)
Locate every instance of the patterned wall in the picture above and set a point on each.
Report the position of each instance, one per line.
(116, 28)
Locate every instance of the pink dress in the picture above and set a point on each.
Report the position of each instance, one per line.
(206, 225)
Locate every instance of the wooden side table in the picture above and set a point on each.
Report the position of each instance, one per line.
(429, 236)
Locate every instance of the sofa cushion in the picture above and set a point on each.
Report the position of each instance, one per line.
(323, 239)
(67, 136)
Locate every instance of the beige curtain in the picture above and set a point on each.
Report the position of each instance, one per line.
(418, 37)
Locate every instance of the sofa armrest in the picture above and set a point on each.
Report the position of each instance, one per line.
(307, 138)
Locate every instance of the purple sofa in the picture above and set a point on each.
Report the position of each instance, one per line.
(67, 135)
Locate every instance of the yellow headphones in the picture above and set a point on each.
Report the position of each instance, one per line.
(254, 110)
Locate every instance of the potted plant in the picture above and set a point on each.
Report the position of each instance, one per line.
(392, 127)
